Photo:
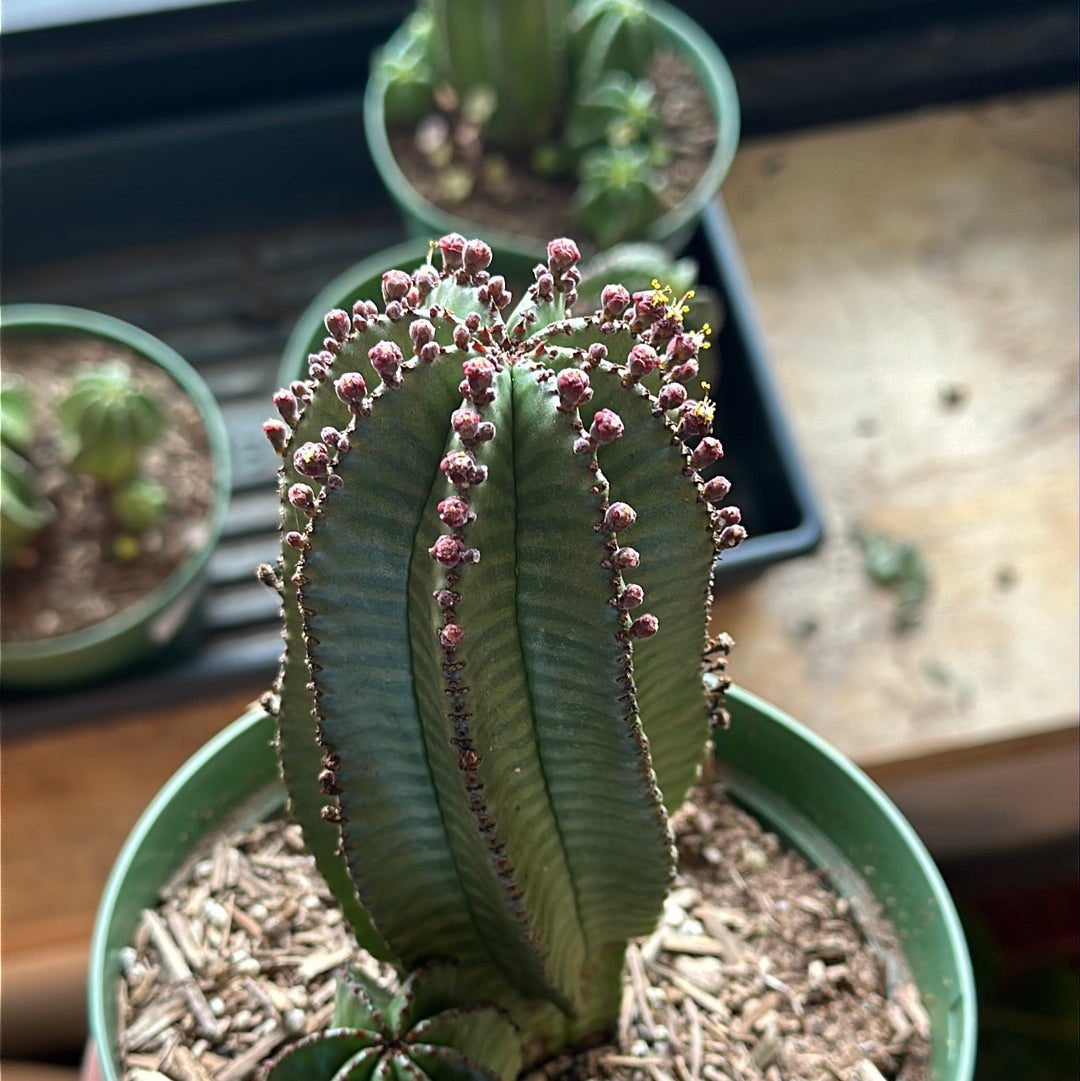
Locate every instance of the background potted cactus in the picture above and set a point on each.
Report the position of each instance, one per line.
(497, 683)
(115, 476)
(613, 119)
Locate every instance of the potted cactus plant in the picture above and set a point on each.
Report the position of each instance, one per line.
(115, 480)
(611, 119)
(497, 683)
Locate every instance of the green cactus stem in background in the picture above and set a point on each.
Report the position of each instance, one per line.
(513, 56)
(24, 508)
(108, 421)
(495, 576)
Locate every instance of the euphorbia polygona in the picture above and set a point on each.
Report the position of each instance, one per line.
(495, 579)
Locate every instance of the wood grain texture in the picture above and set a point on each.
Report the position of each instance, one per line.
(916, 280)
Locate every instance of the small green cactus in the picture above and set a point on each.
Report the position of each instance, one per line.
(495, 577)
(558, 82)
(24, 508)
(107, 422)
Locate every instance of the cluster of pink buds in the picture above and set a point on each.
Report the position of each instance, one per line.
(560, 276)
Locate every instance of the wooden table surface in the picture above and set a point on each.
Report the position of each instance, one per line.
(916, 278)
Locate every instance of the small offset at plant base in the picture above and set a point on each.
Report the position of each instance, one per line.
(495, 580)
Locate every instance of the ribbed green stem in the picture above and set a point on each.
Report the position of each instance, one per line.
(481, 737)
(518, 52)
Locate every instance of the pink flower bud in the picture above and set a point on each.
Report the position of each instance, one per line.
(716, 490)
(452, 248)
(649, 306)
(671, 396)
(386, 359)
(695, 420)
(631, 597)
(495, 292)
(686, 372)
(350, 389)
(461, 469)
(312, 460)
(573, 387)
(562, 254)
(447, 551)
(277, 434)
(682, 347)
(302, 498)
(709, 450)
(729, 515)
(396, 285)
(425, 279)
(479, 374)
(476, 257)
(287, 405)
(453, 512)
(445, 598)
(421, 332)
(451, 636)
(730, 536)
(469, 427)
(606, 427)
(596, 353)
(625, 558)
(614, 300)
(333, 438)
(619, 516)
(545, 286)
(338, 324)
(645, 626)
(641, 360)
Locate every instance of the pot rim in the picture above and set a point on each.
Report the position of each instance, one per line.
(30, 318)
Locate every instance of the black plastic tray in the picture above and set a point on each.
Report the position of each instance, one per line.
(227, 302)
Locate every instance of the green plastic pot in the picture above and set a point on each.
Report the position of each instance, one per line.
(796, 784)
(670, 230)
(169, 614)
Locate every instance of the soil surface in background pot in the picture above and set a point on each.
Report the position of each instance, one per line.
(522, 202)
(68, 577)
(758, 971)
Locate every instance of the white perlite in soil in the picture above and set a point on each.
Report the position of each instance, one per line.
(758, 971)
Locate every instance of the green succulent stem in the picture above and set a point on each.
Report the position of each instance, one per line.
(495, 579)
(516, 53)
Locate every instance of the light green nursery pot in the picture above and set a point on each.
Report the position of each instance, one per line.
(799, 786)
(670, 230)
(166, 614)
